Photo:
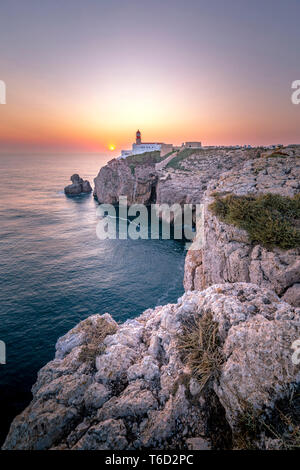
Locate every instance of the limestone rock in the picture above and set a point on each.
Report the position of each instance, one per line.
(227, 254)
(96, 395)
(198, 443)
(78, 186)
(108, 435)
(76, 179)
(292, 295)
(161, 184)
(141, 395)
(117, 179)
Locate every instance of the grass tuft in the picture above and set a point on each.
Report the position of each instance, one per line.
(94, 336)
(282, 425)
(200, 347)
(248, 429)
(270, 219)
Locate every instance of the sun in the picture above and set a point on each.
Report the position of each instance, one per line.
(112, 147)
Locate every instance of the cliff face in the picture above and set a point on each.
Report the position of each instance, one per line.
(184, 181)
(118, 179)
(128, 387)
(228, 255)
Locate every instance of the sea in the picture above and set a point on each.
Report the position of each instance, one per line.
(55, 271)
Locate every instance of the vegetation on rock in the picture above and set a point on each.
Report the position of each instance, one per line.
(176, 162)
(270, 219)
(94, 336)
(146, 158)
(201, 348)
(281, 426)
(278, 153)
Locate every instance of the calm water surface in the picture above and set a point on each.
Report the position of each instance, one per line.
(54, 271)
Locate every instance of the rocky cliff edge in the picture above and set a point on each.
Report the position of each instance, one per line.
(131, 386)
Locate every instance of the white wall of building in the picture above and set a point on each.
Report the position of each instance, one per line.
(141, 148)
(125, 153)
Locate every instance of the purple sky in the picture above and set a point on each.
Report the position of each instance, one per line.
(86, 74)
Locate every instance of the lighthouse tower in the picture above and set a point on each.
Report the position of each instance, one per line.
(138, 137)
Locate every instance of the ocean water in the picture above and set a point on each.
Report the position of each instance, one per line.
(55, 272)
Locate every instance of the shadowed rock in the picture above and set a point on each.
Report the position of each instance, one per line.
(78, 186)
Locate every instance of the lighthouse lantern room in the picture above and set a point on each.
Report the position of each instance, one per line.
(138, 137)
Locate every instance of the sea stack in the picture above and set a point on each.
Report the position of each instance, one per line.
(78, 186)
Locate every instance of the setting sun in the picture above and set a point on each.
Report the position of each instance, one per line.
(112, 147)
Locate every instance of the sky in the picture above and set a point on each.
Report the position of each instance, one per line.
(85, 75)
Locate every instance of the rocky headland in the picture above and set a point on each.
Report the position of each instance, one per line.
(214, 370)
(183, 180)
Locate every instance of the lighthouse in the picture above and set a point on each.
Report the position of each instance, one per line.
(138, 139)
(138, 147)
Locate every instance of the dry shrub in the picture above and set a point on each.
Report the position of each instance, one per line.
(94, 336)
(200, 346)
(282, 425)
(270, 219)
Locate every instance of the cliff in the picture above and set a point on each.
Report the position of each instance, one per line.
(228, 254)
(134, 386)
(134, 177)
(183, 180)
(214, 370)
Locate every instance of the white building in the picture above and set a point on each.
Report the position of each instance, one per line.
(142, 147)
(125, 153)
(192, 145)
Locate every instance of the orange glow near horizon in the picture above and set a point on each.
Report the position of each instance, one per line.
(163, 112)
(202, 74)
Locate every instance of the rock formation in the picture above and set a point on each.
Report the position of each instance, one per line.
(78, 186)
(118, 179)
(131, 389)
